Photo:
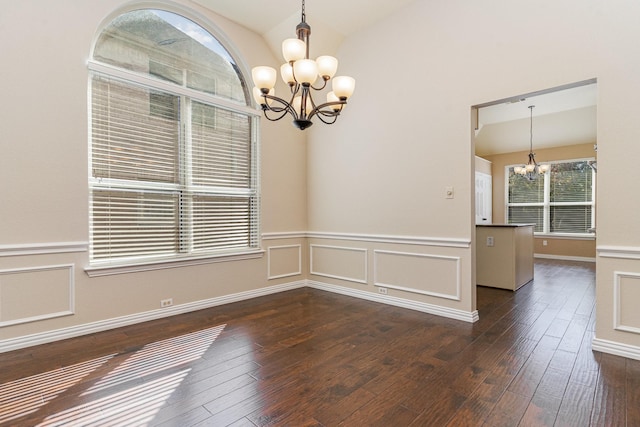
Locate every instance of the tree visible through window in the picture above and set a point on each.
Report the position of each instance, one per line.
(173, 164)
(560, 201)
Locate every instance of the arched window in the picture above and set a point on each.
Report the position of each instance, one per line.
(173, 150)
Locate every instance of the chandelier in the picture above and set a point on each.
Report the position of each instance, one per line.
(300, 73)
(532, 168)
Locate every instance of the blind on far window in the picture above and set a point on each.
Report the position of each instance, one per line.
(571, 182)
(570, 219)
(527, 215)
(521, 190)
(558, 201)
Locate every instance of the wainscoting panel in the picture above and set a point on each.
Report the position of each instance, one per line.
(625, 302)
(339, 262)
(36, 293)
(426, 274)
(284, 261)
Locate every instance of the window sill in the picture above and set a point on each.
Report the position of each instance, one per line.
(124, 268)
(565, 236)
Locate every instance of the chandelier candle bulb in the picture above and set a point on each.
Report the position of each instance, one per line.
(331, 97)
(327, 66)
(293, 50)
(297, 103)
(260, 99)
(286, 72)
(264, 77)
(343, 86)
(305, 71)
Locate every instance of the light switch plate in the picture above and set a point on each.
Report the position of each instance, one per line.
(448, 192)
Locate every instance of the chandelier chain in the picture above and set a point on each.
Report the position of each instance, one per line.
(304, 15)
(531, 127)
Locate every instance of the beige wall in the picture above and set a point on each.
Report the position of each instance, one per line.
(555, 247)
(44, 227)
(373, 183)
(382, 169)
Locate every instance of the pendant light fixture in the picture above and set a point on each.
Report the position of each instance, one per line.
(300, 73)
(532, 168)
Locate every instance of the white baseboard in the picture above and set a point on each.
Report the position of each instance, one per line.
(103, 325)
(398, 302)
(565, 257)
(616, 348)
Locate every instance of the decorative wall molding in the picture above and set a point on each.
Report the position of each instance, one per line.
(457, 284)
(620, 252)
(616, 348)
(43, 248)
(293, 273)
(103, 325)
(617, 303)
(314, 272)
(398, 302)
(565, 257)
(449, 242)
(285, 235)
(51, 315)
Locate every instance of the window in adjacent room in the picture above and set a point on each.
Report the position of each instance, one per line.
(561, 201)
(173, 144)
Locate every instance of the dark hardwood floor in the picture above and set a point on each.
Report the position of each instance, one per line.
(313, 358)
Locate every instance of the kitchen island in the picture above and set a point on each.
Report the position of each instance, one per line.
(504, 255)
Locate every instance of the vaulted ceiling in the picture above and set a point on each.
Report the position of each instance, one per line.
(330, 20)
(565, 117)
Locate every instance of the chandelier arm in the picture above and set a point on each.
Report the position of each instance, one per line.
(294, 88)
(327, 113)
(284, 109)
(324, 84)
(328, 122)
(274, 119)
(287, 107)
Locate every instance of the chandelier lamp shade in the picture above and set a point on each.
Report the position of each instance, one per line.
(301, 73)
(532, 168)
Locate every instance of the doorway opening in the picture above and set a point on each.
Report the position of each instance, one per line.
(561, 131)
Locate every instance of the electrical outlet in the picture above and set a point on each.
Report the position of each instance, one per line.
(382, 291)
(166, 302)
(544, 243)
(489, 241)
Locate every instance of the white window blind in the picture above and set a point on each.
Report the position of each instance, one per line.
(173, 151)
(160, 187)
(560, 201)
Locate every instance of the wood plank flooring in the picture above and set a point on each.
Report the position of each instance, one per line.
(313, 358)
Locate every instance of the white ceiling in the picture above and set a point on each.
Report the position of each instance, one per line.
(564, 117)
(330, 20)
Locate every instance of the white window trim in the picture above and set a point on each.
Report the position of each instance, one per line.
(144, 80)
(112, 267)
(162, 263)
(546, 203)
